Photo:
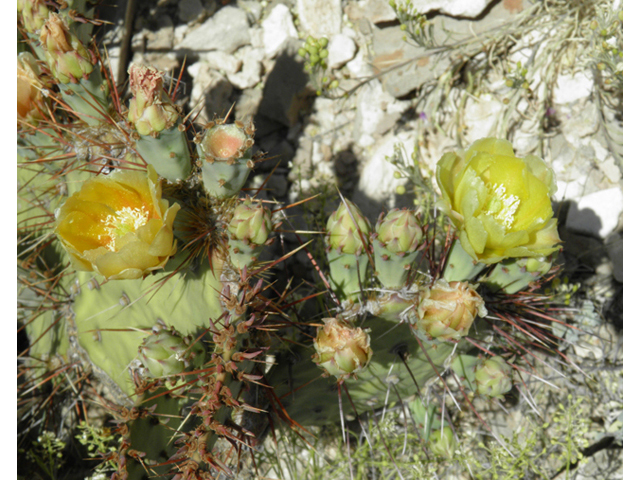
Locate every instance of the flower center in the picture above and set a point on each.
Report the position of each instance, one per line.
(125, 220)
(502, 207)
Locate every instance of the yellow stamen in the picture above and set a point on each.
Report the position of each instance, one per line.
(503, 208)
(126, 220)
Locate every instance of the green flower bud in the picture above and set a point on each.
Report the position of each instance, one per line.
(251, 223)
(150, 109)
(345, 236)
(162, 354)
(400, 231)
(500, 204)
(442, 442)
(68, 59)
(341, 350)
(33, 14)
(493, 377)
(446, 310)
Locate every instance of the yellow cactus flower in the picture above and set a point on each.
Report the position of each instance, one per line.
(118, 225)
(500, 204)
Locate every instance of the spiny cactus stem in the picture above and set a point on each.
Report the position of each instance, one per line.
(460, 266)
(347, 273)
(168, 153)
(87, 98)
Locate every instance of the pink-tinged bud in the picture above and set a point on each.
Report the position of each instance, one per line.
(493, 377)
(227, 142)
(150, 109)
(446, 310)
(341, 350)
(68, 59)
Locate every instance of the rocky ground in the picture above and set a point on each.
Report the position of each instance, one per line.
(541, 76)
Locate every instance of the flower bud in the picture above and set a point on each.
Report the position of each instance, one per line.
(341, 350)
(500, 204)
(166, 352)
(442, 442)
(345, 236)
(68, 59)
(446, 310)
(493, 377)
(251, 223)
(150, 109)
(225, 154)
(400, 231)
(161, 354)
(33, 14)
(30, 82)
(398, 237)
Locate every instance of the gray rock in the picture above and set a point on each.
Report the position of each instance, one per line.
(249, 74)
(227, 31)
(285, 92)
(341, 50)
(189, 10)
(596, 214)
(390, 50)
(248, 103)
(210, 93)
(159, 39)
(320, 18)
(277, 27)
(222, 61)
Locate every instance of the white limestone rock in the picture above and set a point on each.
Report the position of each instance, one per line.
(377, 181)
(481, 115)
(377, 112)
(596, 214)
(379, 10)
(276, 29)
(320, 18)
(570, 88)
(250, 73)
(222, 61)
(341, 49)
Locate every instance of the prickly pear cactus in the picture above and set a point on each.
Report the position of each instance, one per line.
(139, 273)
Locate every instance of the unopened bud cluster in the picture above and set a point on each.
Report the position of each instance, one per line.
(446, 311)
(341, 350)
